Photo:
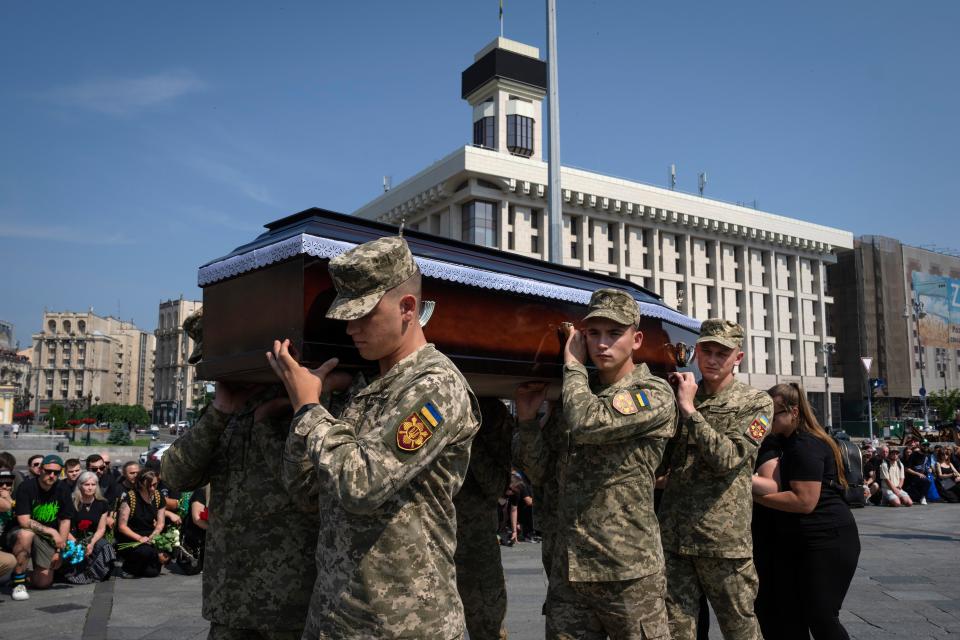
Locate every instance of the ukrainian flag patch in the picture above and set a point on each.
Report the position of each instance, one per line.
(416, 429)
(759, 426)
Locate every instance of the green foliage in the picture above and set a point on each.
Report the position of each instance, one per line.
(57, 417)
(946, 403)
(133, 414)
(118, 434)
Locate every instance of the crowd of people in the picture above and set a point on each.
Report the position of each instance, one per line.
(919, 473)
(82, 522)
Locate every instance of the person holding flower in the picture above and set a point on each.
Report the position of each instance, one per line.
(87, 529)
(140, 519)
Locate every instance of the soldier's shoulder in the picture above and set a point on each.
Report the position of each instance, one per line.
(745, 394)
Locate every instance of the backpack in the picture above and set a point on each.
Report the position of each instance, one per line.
(853, 470)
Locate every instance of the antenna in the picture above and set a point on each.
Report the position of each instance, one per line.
(701, 181)
(501, 18)
(673, 177)
(386, 183)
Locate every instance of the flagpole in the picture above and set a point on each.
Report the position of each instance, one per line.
(553, 122)
(501, 18)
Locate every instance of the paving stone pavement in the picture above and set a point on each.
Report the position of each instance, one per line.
(907, 585)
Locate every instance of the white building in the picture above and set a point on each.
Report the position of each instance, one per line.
(705, 257)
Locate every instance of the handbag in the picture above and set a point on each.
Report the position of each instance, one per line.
(947, 483)
(932, 494)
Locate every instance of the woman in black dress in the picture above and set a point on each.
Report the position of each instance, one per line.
(763, 527)
(818, 541)
(140, 519)
(88, 527)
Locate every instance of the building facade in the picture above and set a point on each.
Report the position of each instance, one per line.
(903, 311)
(15, 372)
(705, 257)
(177, 388)
(81, 359)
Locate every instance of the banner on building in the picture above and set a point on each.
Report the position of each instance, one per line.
(940, 321)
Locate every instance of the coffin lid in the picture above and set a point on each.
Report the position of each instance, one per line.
(325, 234)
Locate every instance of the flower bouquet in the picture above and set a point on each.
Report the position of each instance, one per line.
(166, 541)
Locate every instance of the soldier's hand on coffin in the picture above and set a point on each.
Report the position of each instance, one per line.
(230, 398)
(303, 385)
(575, 350)
(685, 385)
(528, 397)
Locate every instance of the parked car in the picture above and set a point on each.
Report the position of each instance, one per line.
(154, 453)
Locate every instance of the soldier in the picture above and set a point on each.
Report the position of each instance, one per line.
(258, 572)
(479, 569)
(707, 503)
(607, 575)
(387, 470)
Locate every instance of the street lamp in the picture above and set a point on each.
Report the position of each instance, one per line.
(918, 314)
(827, 350)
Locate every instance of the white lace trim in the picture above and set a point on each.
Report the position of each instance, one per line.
(472, 276)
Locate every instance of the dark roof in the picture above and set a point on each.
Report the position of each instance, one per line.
(501, 63)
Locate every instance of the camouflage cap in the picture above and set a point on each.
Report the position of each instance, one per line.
(724, 332)
(613, 304)
(193, 326)
(363, 274)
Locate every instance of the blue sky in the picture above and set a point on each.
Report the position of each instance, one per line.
(139, 140)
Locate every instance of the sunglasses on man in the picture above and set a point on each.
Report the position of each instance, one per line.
(35, 464)
(50, 472)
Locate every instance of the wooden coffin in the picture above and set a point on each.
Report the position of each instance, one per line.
(496, 314)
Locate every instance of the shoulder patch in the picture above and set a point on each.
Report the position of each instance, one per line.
(627, 402)
(759, 426)
(414, 430)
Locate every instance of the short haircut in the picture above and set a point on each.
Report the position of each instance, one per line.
(71, 463)
(94, 458)
(34, 457)
(128, 464)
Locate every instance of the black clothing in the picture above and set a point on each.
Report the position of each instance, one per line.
(143, 514)
(110, 489)
(46, 507)
(167, 492)
(812, 581)
(194, 538)
(143, 559)
(820, 549)
(763, 527)
(86, 519)
(806, 457)
(916, 486)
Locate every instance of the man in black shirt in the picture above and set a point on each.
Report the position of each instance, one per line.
(108, 485)
(43, 510)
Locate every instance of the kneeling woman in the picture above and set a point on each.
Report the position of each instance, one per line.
(816, 533)
(140, 519)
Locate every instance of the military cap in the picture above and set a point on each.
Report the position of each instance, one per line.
(613, 304)
(363, 274)
(724, 332)
(52, 458)
(193, 326)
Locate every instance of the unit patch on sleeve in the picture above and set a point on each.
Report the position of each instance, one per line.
(414, 431)
(759, 427)
(629, 402)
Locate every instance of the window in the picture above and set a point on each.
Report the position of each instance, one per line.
(535, 216)
(574, 239)
(483, 130)
(519, 135)
(480, 223)
(52, 326)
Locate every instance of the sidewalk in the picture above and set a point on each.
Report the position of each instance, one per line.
(907, 586)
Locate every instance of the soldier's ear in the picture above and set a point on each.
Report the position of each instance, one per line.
(408, 306)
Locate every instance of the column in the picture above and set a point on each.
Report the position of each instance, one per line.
(773, 310)
(653, 253)
(685, 272)
(503, 224)
(716, 259)
(745, 308)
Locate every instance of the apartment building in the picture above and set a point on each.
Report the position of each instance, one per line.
(80, 359)
(177, 388)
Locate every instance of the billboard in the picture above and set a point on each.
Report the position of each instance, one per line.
(940, 297)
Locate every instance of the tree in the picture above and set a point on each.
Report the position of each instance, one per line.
(946, 403)
(56, 417)
(118, 434)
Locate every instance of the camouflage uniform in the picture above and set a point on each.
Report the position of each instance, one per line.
(386, 473)
(707, 504)
(607, 577)
(536, 454)
(257, 574)
(479, 569)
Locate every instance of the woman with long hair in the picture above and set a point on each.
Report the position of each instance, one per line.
(87, 529)
(816, 532)
(140, 519)
(948, 479)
